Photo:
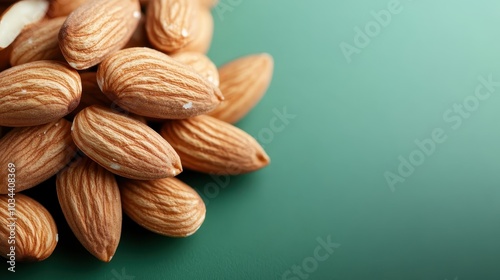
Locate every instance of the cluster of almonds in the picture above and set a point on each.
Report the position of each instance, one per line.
(81, 83)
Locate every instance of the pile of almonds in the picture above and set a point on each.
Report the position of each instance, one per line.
(115, 98)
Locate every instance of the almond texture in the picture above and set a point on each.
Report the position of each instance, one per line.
(90, 200)
(201, 64)
(166, 206)
(124, 146)
(38, 92)
(38, 152)
(96, 29)
(35, 229)
(202, 38)
(209, 145)
(152, 84)
(243, 82)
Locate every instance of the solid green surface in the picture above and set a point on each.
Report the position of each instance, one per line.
(326, 180)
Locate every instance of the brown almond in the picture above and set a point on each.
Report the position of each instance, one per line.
(152, 84)
(166, 206)
(123, 145)
(38, 152)
(90, 200)
(58, 8)
(35, 232)
(208, 145)
(243, 82)
(201, 64)
(202, 38)
(38, 92)
(96, 29)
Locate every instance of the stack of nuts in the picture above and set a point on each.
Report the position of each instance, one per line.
(88, 77)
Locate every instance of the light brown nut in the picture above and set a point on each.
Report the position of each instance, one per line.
(38, 152)
(90, 200)
(171, 24)
(151, 84)
(243, 82)
(209, 3)
(35, 230)
(58, 8)
(38, 92)
(208, 145)
(97, 29)
(124, 146)
(201, 64)
(202, 38)
(166, 206)
(18, 16)
(38, 42)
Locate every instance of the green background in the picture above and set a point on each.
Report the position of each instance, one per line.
(352, 122)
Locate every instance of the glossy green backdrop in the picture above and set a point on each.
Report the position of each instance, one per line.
(351, 123)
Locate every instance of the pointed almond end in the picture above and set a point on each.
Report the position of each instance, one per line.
(261, 159)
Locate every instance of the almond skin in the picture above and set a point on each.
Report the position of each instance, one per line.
(201, 64)
(124, 146)
(202, 38)
(152, 84)
(166, 206)
(91, 94)
(38, 42)
(38, 152)
(90, 200)
(38, 92)
(58, 8)
(243, 82)
(36, 232)
(170, 24)
(96, 29)
(208, 145)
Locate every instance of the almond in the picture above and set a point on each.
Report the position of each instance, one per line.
(18, 16)
(170, 24)
(90, 200)
(60, 8)
(123, 145)
(209, 3)
(152, 84)
(38, 92)
(201, 64)
(38, 42)
(35, 229)
(243, 82)
(208, 145)
(38, 152)
(96, 29)
(166, 206)
(203, 35)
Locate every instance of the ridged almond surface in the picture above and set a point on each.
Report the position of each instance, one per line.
(171, 24)
(152, 84)
(243, 82)
(36, 232)
(90, 200)
(38, 42)
(96, 29)
(208, 145)
(38, 92)
(201, 64)
(38, 152)
(58, 8)
(166, 206)
(202, 38)
(123, 145)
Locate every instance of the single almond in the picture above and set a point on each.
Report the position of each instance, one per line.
(90, 200)
(201, 64)
(170, 24)
(124, 146)
(38, 152)
(38, 42)
(208, 145)
(18, 16)
(38, 92)
(166, 206)
(35, 232)
(60, 8)
(152, 84)
(243, 82)
(96, 29)
(202, 38)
